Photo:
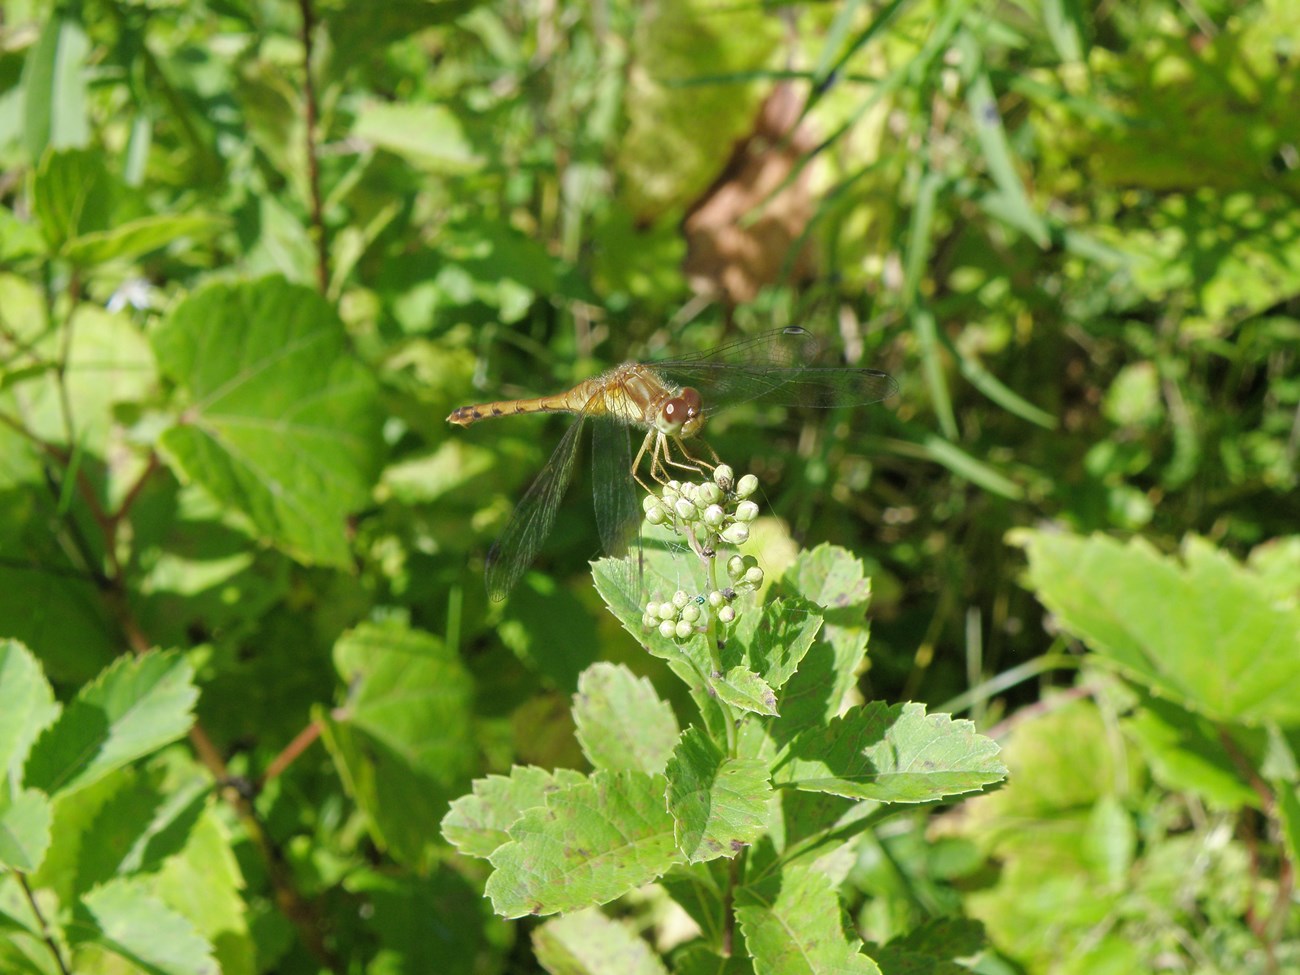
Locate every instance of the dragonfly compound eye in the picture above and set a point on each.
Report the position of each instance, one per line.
(683, 414)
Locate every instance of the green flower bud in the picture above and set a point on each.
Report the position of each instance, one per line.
(736, 534)
(746, 511)
(747, 486)
(724, 477)
(668, 629)
(683, 630)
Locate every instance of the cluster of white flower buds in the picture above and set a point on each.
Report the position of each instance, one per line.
(712, 511)
(684, 614)
(709, 513)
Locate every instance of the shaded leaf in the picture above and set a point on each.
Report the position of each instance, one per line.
(793, 925)
(719, 804)
(891, 754)
(133, 708)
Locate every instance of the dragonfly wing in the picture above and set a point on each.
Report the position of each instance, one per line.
(776, 367)
(534, 517)
(613, 490)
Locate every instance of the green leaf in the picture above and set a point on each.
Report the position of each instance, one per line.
(793, 925)
(27, 705)
(283, 424)
(1187, 753)
(1202, 632)
(476, 824)
(54, 85)
(133, 708)
(699, 960)
(621, 722)
(891, 754)
(622, 590)
(437, 923)
(774, 638)
(546, 626)
(427, 135)
(589, 943)
(73, 194)
(126, 919)
(203, 881)
(834, 579)
(404, 740)
(135, 238)
(590, 843)
(744, 689)
(719, 804)
(24, 829)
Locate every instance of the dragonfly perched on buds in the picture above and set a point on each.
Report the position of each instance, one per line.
(670, 400)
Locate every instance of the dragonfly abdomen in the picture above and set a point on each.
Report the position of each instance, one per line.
(572, 401)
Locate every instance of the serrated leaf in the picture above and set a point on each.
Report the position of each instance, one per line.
(133, 708)
(719, 804)
(589, 943)
(621, 721)
(744, 689)
(125, 918)
(27, 705)
(793, 926)
(403, 742)
(774, 639)
(283, 424)
(24, 829)
(832, 578)
(891, 754)
(476, 824)
(590, 843)
(203, 881)
(1202, 632)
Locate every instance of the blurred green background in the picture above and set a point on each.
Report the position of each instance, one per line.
(1069, 230)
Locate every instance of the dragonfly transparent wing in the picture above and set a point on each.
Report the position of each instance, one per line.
(778, 367)
(534, 516)
(618, 511)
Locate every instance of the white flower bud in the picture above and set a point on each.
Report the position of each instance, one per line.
(754, 576)
(667, 611)
(746, 511)
(716, 598)
(657, 515)
(724, 477)
(747, 486)
(683, 630)
(668, 629)
(648, 502)
(690, 613)
(736, 534)
(685, 510)
(735, 567)
(714, 515)
(680, 598)
(727, 614)
(709, 493)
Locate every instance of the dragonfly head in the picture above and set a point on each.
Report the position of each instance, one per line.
(681, 415)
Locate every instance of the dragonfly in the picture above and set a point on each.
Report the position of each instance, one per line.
(670, 401)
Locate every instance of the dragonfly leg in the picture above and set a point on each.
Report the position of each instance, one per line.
(696, 464)
(650, 438)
